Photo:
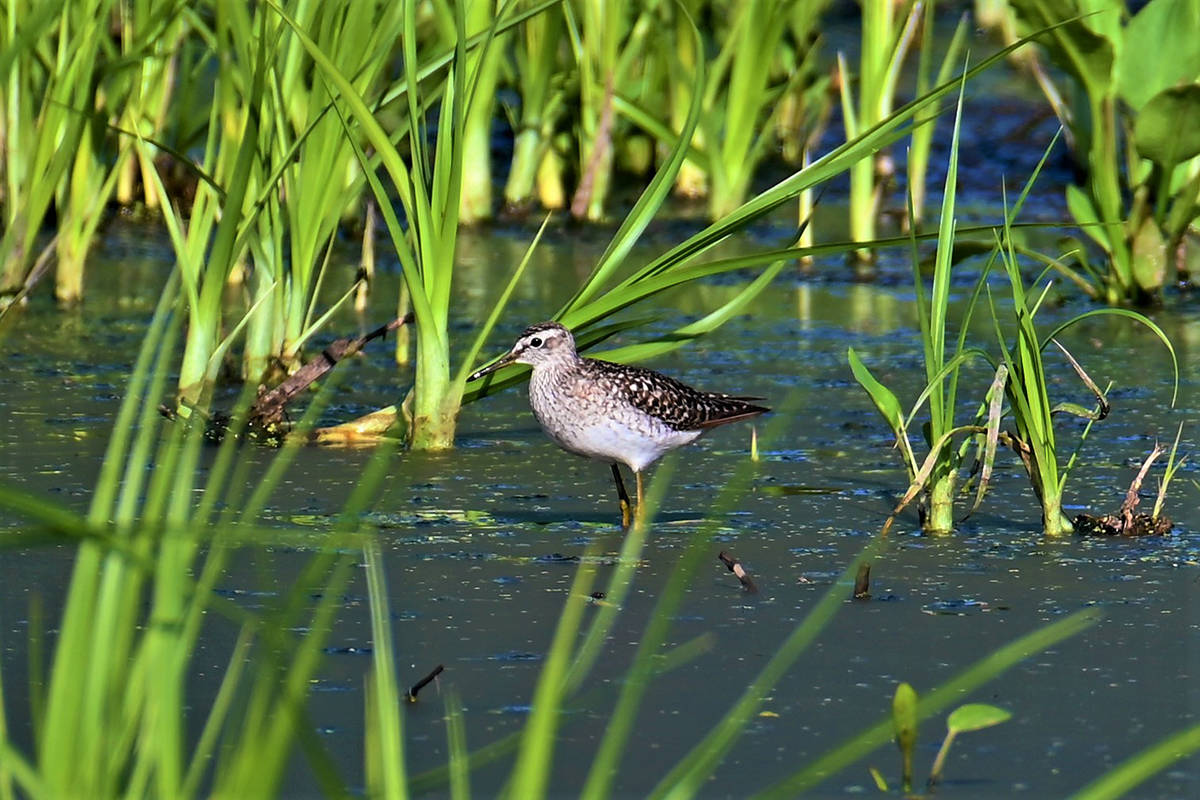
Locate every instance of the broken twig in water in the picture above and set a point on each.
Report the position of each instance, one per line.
(1125, 522)
(421, 684)
(738, 570)
(267, 413)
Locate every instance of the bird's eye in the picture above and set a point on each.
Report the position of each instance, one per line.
(535, 342)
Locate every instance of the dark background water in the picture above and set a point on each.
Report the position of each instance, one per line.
(480, 545)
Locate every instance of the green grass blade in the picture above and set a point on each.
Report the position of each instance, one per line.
(607, 762)
(489, 324)
(650, 201)
(531, 773)
(932, 702)
(389, 725)
(619, 584)
(686, 778)
(456, 744)
(1136, 317)
(1131, 773)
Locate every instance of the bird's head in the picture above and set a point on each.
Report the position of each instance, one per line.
(539, 344)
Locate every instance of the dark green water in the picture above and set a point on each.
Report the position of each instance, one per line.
(480, 544)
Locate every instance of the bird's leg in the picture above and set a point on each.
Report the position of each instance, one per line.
(626, 507)
(638, 514)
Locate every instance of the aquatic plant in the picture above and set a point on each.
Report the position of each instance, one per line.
(888, 30)
(540, 82)
(160, 71)
(904, 723)
(428, 185)
(52, 128)
(483, 67)
(607, 41)
(1136, 76)
(741, 99)
(1135, 770)
(113, 716)
(969, 717)
(308, 178)
(922, 136)
(600, 295)
(1027, 388)
(1174, 463)
(1019, 378)
(432, 409)
(935, 476)
(211, 238)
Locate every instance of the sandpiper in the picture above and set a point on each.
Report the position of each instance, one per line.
(614, 412)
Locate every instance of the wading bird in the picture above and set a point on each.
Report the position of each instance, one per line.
(614, 412)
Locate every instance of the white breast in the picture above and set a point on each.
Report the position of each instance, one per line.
(599, 428)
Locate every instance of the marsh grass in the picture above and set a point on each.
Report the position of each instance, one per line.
(1136, 82)
(1027, 389)
(935, 476)
(922, 137)
(51, 66)
(1135, 770)
(888, 30)
(742, 102)
(540, 82)
(115, 718)
(294, 134)
(1019, 377)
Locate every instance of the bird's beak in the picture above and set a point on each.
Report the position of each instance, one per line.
(504, 361)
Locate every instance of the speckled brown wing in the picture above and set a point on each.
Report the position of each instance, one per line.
(677, 404)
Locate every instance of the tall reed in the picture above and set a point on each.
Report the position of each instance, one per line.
(742, 99)
(888, 29)
(935, 476)
(211, 239)
(52, 59)
(309, 179)
(539, 77)
(483, 66)
(117, 717)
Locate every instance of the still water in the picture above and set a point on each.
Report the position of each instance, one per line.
(481, 544)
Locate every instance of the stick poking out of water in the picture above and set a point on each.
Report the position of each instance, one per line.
(737, 569)
(862, 582)
(421, 684)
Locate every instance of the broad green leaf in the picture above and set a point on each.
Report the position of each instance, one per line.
(1184, 209)
(976, 716)
(884, 399)
(1149, 256)
(1074, 46)
(1167, 130)
(1083, 211)
(1160, 48)
(904, 718)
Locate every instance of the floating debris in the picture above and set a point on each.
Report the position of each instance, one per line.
(421, 684)
(735, 566)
